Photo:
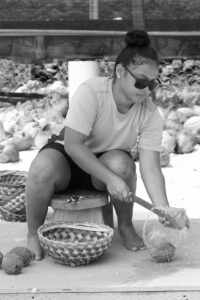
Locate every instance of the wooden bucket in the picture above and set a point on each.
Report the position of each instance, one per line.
(79, 206)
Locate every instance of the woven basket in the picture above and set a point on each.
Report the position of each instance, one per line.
(12, 195)
(12, 217)
(13, 178)
(75, 244)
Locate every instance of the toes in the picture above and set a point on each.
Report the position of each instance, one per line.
(143, 248)
(135, 248)
(39, 257)
(33, 244)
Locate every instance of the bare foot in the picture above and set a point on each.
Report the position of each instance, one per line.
(132, 241)
(33, 244)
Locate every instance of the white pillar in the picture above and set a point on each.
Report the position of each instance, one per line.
(93, 9)
(80, 71)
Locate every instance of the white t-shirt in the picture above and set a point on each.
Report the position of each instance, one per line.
(93, 112)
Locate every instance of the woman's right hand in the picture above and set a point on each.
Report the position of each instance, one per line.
(118, 189)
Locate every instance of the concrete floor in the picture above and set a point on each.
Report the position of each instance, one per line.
(120, 274)
(117, 273)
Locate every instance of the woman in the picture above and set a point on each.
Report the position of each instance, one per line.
(107, 118)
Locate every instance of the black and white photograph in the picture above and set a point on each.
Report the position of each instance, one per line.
(100, 149)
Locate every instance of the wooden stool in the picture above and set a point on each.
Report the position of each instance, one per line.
(79, 206)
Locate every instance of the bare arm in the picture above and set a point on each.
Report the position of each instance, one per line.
(152, 177)
(82, 155)
(155, 185)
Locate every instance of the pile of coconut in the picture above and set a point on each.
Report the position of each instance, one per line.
(178, 100)
(181, 131)
(32, 123)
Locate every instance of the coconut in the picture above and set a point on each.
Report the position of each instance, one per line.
(163, 254)
(185, 142)
(24, 253)
(31, 128)
(41, 138)
(23, 120)
(177, 63)
(196, 109)
(172, 124)
(192, 124)
(10, 153)
(172, 132)
(160, 248)
(172, 115)
(183, 113)
(168, 141)
(12, 264)
(164, 158)
(61, 107)
(24, 141)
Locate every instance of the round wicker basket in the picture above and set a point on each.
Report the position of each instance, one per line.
(12, 217)
(75, 244)
(12, 195)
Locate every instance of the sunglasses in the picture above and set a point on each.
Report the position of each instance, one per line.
(143, 83)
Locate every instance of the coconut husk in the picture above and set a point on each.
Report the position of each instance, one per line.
(196, 109)
(172, 115)
(9, 153)
(160, 248)
(185, 142)
(183, 113)
(192, 124)
(161, 241)
(168, 141)
(23, 120)
(172, 124)
(164, 158)
(24, 141)
(41, 138)
(31, 128)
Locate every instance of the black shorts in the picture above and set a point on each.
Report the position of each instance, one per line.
(79, 178)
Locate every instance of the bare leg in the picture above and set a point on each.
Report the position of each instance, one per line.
(49, 172)
(131, 239)
(122, 164)
(124, 212)
(107, 211)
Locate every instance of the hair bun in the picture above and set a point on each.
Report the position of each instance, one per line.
(137, 38)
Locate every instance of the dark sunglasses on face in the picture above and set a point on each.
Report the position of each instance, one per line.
(143, 83)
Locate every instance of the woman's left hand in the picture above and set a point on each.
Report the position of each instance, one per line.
(174, 217)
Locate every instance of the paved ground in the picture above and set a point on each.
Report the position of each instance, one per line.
(119, 272)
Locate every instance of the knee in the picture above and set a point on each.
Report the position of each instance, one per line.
(121, 164)
(42, 171)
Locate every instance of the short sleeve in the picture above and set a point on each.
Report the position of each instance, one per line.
(82, 111)
(151, 132)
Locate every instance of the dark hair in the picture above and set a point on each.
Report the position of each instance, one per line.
(137, 45)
